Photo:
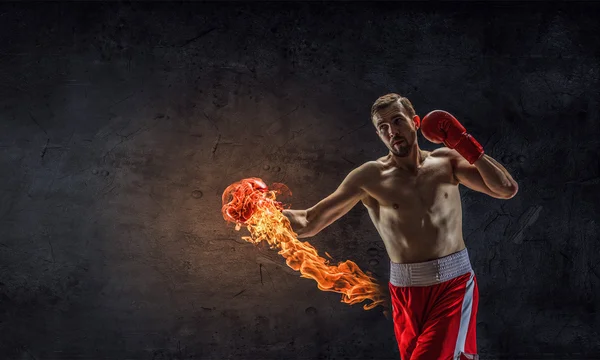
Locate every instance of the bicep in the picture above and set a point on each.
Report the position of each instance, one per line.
(469, 176)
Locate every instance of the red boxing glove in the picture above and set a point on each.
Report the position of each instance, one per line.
(440, 126)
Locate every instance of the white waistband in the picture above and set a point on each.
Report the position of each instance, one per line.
(430, 272)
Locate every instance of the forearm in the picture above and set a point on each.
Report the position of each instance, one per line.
(496, 177)
(299, 222)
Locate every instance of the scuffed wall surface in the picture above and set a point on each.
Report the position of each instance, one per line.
(121, 125)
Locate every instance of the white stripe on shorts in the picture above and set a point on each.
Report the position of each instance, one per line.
(465, 317)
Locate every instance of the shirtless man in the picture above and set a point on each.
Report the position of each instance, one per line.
(413, 200)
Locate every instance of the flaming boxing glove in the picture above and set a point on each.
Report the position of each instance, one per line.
(440, 126)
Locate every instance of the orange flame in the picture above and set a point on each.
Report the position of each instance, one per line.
(249, 202)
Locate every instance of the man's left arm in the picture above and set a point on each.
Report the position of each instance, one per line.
(485, 175)
(470, 165)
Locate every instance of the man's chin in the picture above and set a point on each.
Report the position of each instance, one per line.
(401, 153)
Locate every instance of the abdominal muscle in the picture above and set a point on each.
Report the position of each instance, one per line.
(419, 238)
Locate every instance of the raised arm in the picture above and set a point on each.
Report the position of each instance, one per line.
(486, 175)
(470, 165)
(307, 223)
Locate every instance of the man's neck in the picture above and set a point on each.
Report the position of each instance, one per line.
(410, 163)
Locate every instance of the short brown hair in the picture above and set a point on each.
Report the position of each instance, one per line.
(388, 99)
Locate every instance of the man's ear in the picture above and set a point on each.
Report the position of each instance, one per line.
(417, 121)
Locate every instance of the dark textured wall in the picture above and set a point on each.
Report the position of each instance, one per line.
(121, 125)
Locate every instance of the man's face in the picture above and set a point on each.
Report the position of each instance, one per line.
(395, 128)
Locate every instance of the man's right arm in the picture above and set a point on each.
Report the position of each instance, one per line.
(307, 223)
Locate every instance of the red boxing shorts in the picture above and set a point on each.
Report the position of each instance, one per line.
(434, 306)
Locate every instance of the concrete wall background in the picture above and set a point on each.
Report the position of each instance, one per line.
(121, 124)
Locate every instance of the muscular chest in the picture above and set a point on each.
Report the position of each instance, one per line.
(403, 191)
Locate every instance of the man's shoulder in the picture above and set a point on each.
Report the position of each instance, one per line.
(365, 172)
(370, 167)
(444, 152)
